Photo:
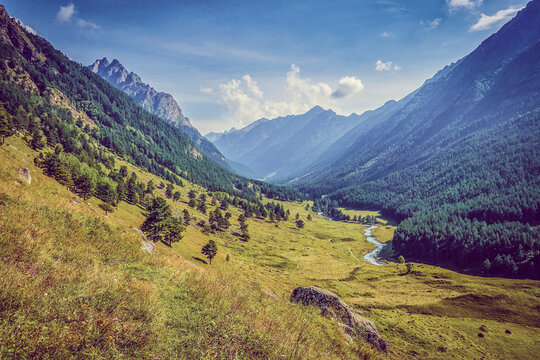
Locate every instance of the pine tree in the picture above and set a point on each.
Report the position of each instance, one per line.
(85, 182)
(169, 190)
(5, 124)
(150, 187)
(187, 217)
(209, 250)
(160, 225)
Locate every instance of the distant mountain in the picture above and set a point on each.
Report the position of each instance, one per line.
(459, 159)
(158, 103)
(274, 149)
(58, 104)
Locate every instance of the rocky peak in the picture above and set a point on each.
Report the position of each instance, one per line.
(12, 32)
(158, 103)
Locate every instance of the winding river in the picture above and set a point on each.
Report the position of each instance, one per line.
(370, 257)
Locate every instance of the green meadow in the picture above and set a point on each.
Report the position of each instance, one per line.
(75, 282)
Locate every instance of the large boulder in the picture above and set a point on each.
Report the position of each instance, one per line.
(351, 321)
(25, 176)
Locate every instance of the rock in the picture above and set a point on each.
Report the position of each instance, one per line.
(507, 331)
(269, 293)
(24, 174)
(353, 323)
(480, 335)
(146, 245)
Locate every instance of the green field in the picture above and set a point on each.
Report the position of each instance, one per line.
(75, 280)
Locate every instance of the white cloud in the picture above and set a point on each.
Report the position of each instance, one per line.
(245, 101)
(252, 86)
(486, 22)
(65, 13)
(347, 85)
(454, 5)
(435, 22)
(387, 34)
(383, 66)
(26, 27)
(86, 24)
(386, 66)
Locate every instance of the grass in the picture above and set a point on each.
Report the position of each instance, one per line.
(178, 307)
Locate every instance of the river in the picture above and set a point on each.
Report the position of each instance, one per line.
(370, 257)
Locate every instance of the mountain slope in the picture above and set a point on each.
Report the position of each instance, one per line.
(160, 104)
(56, 101)
(462, 148)
(274, 149)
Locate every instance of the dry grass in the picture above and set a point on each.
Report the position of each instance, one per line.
(235, 308)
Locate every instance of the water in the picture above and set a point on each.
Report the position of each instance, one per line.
(371, 257)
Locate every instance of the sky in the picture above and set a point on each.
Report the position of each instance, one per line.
(229, 63)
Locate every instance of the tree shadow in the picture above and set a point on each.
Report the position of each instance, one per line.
(199, 259)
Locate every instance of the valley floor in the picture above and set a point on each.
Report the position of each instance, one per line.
(74, 282)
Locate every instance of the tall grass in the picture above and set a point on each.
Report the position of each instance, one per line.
(74, 286)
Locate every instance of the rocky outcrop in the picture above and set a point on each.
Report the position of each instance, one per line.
(25, 176)
(350, 320)
(12, 33)
(146, 245)
(158, 103)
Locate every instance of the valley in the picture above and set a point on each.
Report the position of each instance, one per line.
(416, 312)
(406, 232)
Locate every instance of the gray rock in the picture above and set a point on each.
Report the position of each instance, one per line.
(146, 245)
(351, 321)
(25, 176)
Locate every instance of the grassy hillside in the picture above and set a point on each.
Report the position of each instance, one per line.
(76, 283)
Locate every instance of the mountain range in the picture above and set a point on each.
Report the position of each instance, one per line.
(275, 149)
(457, 161)
(158, 103)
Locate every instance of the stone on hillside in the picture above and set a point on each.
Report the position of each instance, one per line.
(25, 176)
(352, 322)
(146, 245)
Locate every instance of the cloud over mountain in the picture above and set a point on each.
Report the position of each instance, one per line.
(245, 101)
(486, 22)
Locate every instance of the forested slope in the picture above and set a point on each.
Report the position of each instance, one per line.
(54, 100)
(459, 159)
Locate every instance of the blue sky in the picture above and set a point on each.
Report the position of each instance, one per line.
(228, 63)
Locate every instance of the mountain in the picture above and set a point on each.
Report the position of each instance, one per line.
(60, 105)
(458, 159)
(274, 149)
(158, 103)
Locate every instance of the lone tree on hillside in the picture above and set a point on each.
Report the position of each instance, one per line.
(106, 207)
(209, 250)
(299, 224)
(160, 225)
(409, 267)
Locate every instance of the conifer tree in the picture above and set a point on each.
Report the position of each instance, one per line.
(209, 250)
